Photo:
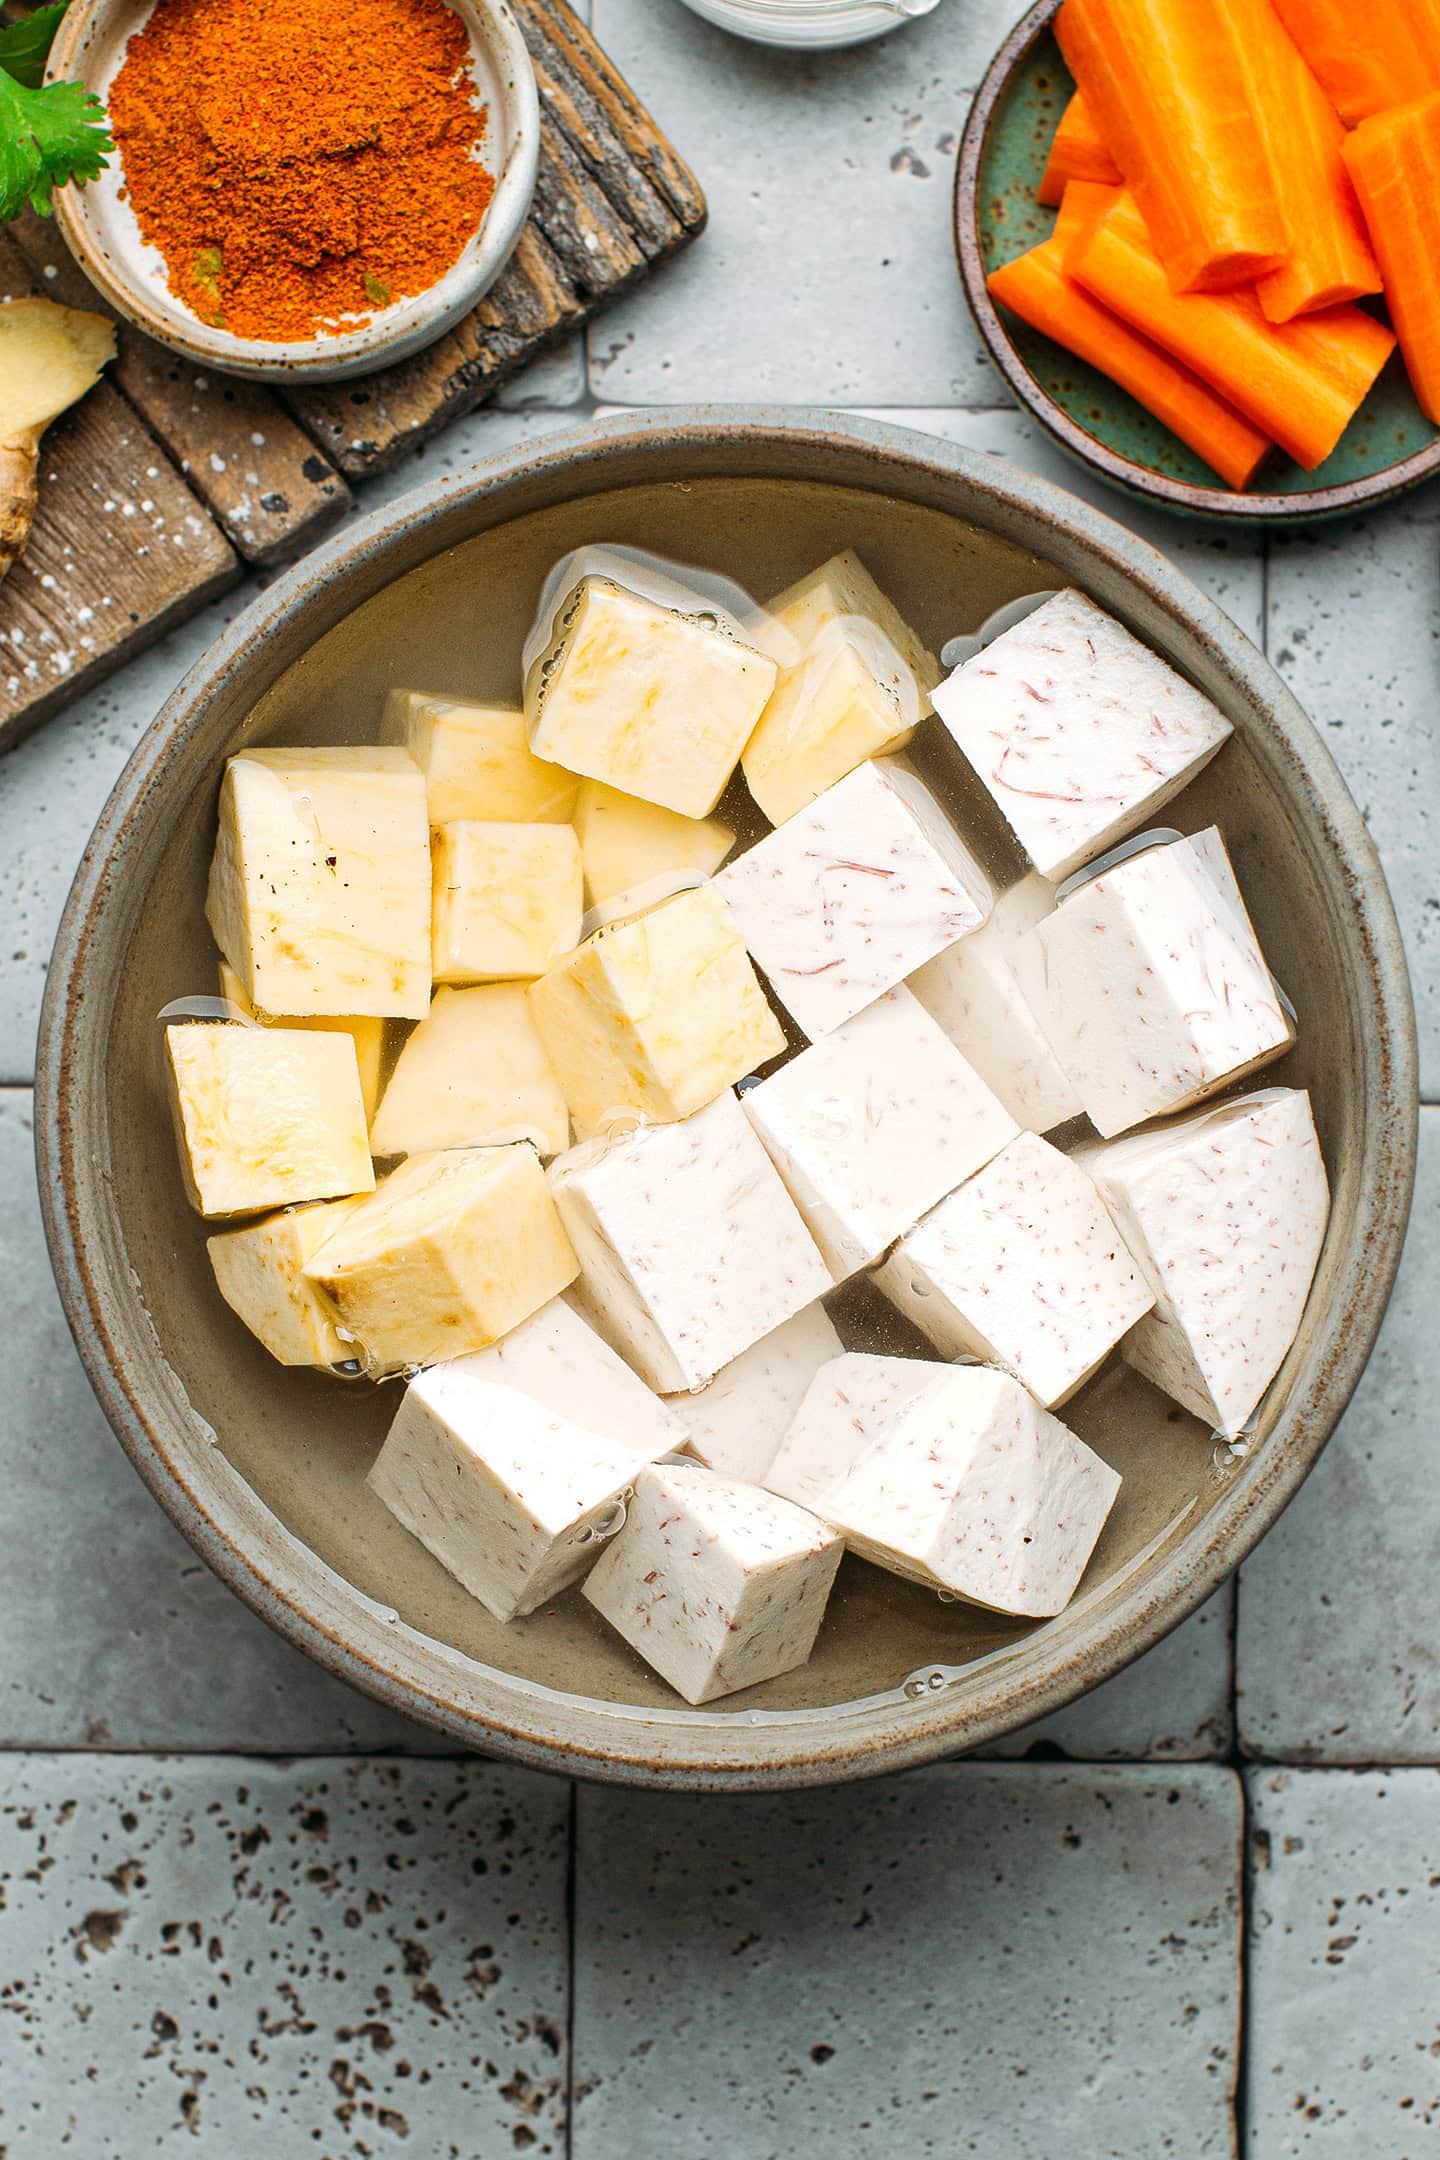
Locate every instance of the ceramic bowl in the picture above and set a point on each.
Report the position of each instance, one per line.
(263, 1469)
(810, 25)
(1389, 446)
(102, 233)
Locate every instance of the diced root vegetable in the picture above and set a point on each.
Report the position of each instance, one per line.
(1035, 287)
(1077, 731)
(1394, 161)
(1302, 382)
(1167, 84)
(716, 1585)
(1078, 151)
(1021, 1267)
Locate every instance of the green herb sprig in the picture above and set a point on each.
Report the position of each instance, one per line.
(49, 132)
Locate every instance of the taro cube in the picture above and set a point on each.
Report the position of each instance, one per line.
(1022, 1267)
(972, 990)
(716, 1585)
(872, 1125)
(969, 1486)
(854, 893)
(738, 1421)
(859, 681)
(655, 702)
(508, 899)
(266, 1116)
(473, 1074)
(320, 885)
(510, 1466)
(1226, 1215)
(476, 761)
(1151, 986)
(449, 1253)
(690, 1247)
(655, 1015)
(1078, 731)
(627, 843)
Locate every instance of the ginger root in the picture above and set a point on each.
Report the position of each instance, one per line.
(49, 357)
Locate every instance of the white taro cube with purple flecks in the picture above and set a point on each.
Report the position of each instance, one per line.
(872, 1125)
(855, 892)
(1078, 731)
(1151, 986)
(953, 1476)
(716, 1585)
(972, 990)
(510, 1466)
(1225, 1214)
(739, 1420)
(690, 1248)
(1021, 1265)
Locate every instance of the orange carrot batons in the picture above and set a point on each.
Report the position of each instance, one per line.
(1034, 287)
(1394, 160)
(1082, 206)
(1367, 57)
(1330, 256)
(1302, 381)
(1167, 84)
(1077, 152)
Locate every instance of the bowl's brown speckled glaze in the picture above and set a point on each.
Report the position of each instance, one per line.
(263, 1469)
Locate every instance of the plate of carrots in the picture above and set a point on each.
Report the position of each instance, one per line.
(1201, 239)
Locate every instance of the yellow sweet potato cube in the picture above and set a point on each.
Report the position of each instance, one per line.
(266, 1117)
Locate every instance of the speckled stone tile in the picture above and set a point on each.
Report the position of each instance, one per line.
(53, 786)
(1227, 566)
(116, 1634)
(1355, 630)
(1336, 1653)
(1017, 1961)
(1172, 1705)
(344, 1958)
(827, 273)
(1344, 1965)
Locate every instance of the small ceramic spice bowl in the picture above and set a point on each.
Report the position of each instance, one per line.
(100, 227)
(1389, 446)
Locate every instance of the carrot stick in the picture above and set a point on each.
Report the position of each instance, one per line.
(1034, 287)
(1302, 381)
(1077, 152)
(1082, 206)
(1330, 258)
(1394, 160)
(1367, 57)
(1167, 84)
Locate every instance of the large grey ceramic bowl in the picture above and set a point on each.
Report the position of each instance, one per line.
(263, 1469)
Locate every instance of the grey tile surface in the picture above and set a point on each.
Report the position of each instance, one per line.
(1337, 1653)
(339, 1958)
(1014, 1961)
(115, 1634)
(1355, 629)
(1344, 2023)
(827, 273)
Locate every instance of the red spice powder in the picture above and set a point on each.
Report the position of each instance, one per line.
(299, 163)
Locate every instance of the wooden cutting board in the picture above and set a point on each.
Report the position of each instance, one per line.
(163, 483)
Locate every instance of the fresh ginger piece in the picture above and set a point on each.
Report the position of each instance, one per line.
(49, 357)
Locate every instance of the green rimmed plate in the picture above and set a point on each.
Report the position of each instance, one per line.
(1388, 447)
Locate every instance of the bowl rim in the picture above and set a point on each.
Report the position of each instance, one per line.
(1185, 496)
(417, 322)
(285, 1581)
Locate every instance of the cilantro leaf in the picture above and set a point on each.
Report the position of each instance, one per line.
(47, 137)
(25, 46)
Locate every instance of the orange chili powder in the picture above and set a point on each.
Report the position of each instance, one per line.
(299, 163)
